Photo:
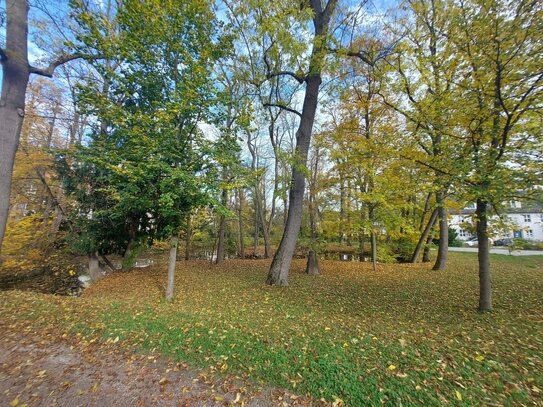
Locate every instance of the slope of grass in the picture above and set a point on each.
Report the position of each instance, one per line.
(404, 334)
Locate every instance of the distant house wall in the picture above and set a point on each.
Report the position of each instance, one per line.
(526, 223)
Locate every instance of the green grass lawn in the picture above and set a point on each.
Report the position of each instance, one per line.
(402, 335)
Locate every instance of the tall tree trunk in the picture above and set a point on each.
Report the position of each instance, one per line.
(15, 75)
(441, 261)
(424, 236)
(47, 213)
(264, 224)
(425, 212)
(81, 130)
(485, 277)
(74, 129)
(373, 235)
(271, 130)
(174, 240)
(128, 256)
(256, 229)
(52, 124)
(95, 272)
(426, 252)
(341, 208)
(361, 232)
(266, 235)
(278, 274)
(188, 238)
(373, 238)
(240, 222)
(285, 206)
(312, 266)
(348, 212)
(222, 228)
(57, 220)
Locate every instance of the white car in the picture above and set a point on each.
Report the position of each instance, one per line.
(472, 242)
(475, 242)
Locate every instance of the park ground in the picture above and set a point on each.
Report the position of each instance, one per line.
(402, 335)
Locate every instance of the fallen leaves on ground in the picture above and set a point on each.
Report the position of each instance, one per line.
(413, 335)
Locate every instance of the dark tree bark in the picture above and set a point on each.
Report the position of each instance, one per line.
(424, 236)
(222, 229)
(341, 208)
(373, 249)
(425, 212)
(240, 223)
(361, 237)
(107, 262)
(265, 231)
(256, 198)
(442, 250)
(171, 267)
(312, 266)
(128, 261)
(278, 274)
(256, 232)
(426, 252)
(485, 277)
(188, 238)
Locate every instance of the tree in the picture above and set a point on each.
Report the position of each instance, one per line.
(321, 16)
(500, 81)
(424, 63)
(148, 163)
(16, 71)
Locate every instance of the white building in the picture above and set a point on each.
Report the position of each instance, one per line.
(524, 222)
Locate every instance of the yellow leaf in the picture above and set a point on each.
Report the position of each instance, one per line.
(458, 395)
(14, 402)
(480, 358)
(391, 367)
(116, 340)
(326, 328)
(219, 398)
(417, 387)
(338, 402)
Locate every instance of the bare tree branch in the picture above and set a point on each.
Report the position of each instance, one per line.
(48, 72)
(288, 109)
(299, 78)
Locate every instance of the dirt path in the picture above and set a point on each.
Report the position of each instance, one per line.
(41, 369)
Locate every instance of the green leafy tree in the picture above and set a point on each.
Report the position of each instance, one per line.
(147, 164)
(499, 45)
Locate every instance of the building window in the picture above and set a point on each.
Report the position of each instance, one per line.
(530, 234)
(527, 218)
(462, 233)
